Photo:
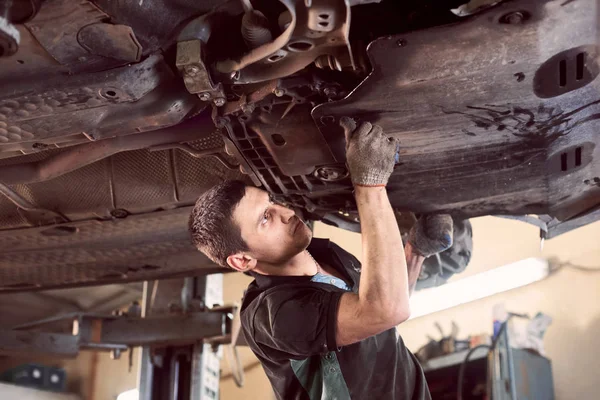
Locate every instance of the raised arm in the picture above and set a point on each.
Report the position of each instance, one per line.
(386, 281)
(383, 298)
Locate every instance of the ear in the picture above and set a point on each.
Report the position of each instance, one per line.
(241, 262)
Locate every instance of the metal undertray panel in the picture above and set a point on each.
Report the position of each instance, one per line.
(136, 248)
(53, 112)
(496, 114)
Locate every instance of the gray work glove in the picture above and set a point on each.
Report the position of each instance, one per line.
(431, 234)
(370, 155)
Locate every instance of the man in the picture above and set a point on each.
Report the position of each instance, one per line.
(322, 325)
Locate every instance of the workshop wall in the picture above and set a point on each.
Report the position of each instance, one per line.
(570, 297)
(113, 376)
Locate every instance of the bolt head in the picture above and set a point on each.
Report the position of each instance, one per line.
(514, 17)
(330, 92)
(205, 96)
(192, 70)
(219, 102)
(331, 174)
(248, 109)
(401, 42)
(327, 119)
(279, 92)
(119, 213)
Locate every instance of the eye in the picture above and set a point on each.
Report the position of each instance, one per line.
(265, 218)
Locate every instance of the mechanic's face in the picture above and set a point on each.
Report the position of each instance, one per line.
(273, 233)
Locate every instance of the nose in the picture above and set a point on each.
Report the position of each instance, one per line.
(286, 214)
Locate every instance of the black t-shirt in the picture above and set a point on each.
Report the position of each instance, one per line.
(289, 322)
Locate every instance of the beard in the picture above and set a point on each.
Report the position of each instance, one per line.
(298, 243)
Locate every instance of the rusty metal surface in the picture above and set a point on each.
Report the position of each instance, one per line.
(93, 252)
(132, 246)
(262, 163)
(84, 193)
(56, 26)
(475, 139)
(157, 22)
(33, 214)
(51, 113)
(79, 156)
(19, 12)
(134, 168)
(294, 142)
(111, 41)
(320, 27)
(132, 181)
(194, 176)
(196, 77)
(277, 144)
(30, 62)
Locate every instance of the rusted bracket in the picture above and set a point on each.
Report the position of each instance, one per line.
(196, 76)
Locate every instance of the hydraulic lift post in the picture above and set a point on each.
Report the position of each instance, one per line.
(185, 372)
(180, 329)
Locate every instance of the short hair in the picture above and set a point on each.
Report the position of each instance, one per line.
(211, 224)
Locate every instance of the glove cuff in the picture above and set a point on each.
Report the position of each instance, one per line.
(372, 178)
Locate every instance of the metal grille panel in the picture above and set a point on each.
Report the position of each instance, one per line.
(210, 142)
(26, 158)
(9, 215)
(196, 175)
(74, 193)
(138, 181)
(142, 178)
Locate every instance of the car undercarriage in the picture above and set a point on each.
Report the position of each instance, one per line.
(116, 115)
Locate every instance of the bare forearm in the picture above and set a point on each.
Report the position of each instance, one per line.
(384, 283)
(382, 300)
(414, 263)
